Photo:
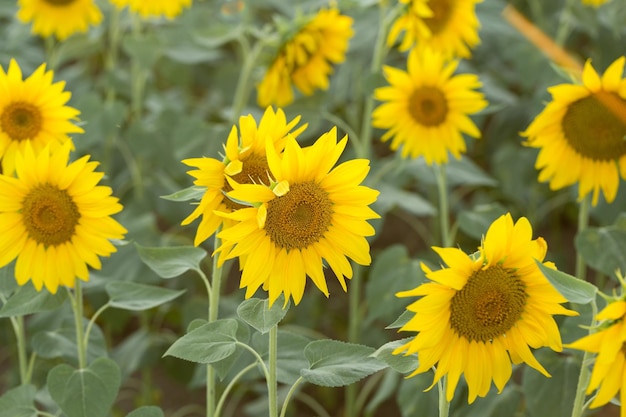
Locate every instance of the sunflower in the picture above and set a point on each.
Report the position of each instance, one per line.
(305, 60)
(310, 212)
(595, 3)
(581, 133)
(426, 109)
(154, 8)
(61, 18)
(32, 111)
(480, 313)
(448, 26)
(55, 219)
(244, 161)
(609, 370)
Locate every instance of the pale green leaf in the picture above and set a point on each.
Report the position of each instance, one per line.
(400, 363)
(170, 262)
(258, 314)
(402, 320)
(209, 343)
(573, 289)
(137, 297)
(603, 248)
(146, 411)
(186, 194)
(19, 402)
(27, 300)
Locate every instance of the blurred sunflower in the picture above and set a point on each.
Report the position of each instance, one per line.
(32, 111)
(245, 162)
(305, 60)
(581, 133)
(448, 26)
(595, 3)
(609, 369)
(154, 8)
(61, 18)
(310, 212)
(425, 110)
(479, 314)
(55, 219)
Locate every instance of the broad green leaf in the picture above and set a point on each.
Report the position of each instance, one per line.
(145, 48)
(573, 289)
(27, 300)
(291, 358)
(402, 320)
(207, 344)
(88, 392)
(61, 343)
(258, 314)
(391, 197)
(603, 248)
(505, 403)
(190, 193)
(137, 297)
(173, 261)
(8, 284)
(400, 363)
(19, 402)
(335, 364)
(476, 221)
(146, 411)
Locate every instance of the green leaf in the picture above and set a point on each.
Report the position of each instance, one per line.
(88, 392)
(604, 248)
(190, 193)
(258, 314)
(8, 284)
(61, 343)
(573, 289)
(19, 402)
(402, 320)
(145, 48)
(210, 343)
(291, 358)
(335, 364)
(476, 222)
(137, 297)
(146, 411)
(400, 363)
(173, 261)
(27, 300)
(391, 197)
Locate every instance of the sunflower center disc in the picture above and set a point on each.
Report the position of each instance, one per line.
(595, 126)
(254, 171)
(488, 305)
(21, 121)
(442, 11)
(59, 2)
(300, 217)
(428, 106)
(50, 215)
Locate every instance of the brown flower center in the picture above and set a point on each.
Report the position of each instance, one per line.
(50, 215)
(254, 170)
(21, 120)
(442, 12)
(488, 305)
(299, 218)
(428, 106)
(595, 126)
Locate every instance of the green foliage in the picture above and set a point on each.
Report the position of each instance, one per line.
(146, 411)
(572, 288)
(604, 248)
(134, 296)
(209, 343)
(258, 314)
(170, 262)
(27, 300)
(19, 402)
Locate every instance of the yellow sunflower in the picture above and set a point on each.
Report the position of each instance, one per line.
(581, 133)
(32, 111)
(479, 314)
(425, 110)
(448, 26)
(609, 370)
(311, 212)
(154, 8)
(595, 3)
(244, 161)
(55, 219)
(305, 61)
(61, 18)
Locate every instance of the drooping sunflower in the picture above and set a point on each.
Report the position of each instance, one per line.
(55, 219)
(61, 18)
(609, 369)
(244, 161)
(32, 111)
(581, 133)
(478, 315)
(305, 61)
(310, 212)
(447, 26)
(154, 8)
(425, 110)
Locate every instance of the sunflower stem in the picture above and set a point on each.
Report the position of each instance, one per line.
(272, 384)
(137, 74)
(444, 210)
(242, 91)
(583, 378)
(565, 23)
(354, 325)
(292, 391)
(112, 51)
(583, 222)
(214, 302)
(20, 336)
(77, 306)
(444, 404)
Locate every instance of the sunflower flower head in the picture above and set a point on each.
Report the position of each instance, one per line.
(609, 343)
(305, 60)
(595, 3)
(244, 161)
(54, 218)
(479, 314)
(32, 111)
(60, 18)
(426, 109)
(312, 211)
(580, 133)
(148, 9)
(448, 26)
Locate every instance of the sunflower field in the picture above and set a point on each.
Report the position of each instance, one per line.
(312, 208)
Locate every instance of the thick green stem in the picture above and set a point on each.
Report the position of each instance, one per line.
(214, 303)
(272, 383)
(583, 222)
(444, 210)
(444, 404)
(20, 336)
(583, 378)
(77, 306)
(242, 91)
(354, 325)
